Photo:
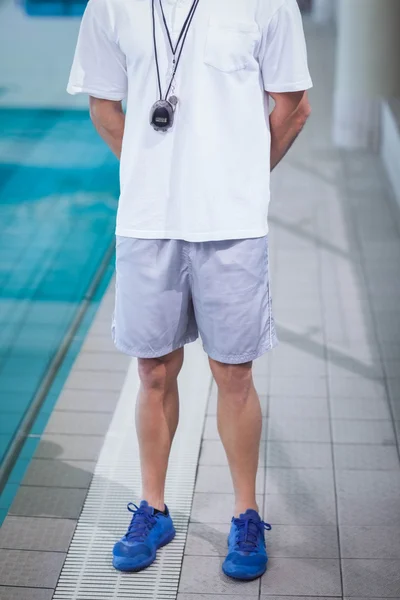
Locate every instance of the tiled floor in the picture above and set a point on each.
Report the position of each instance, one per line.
(329, 478)
(330, 392)
(42, 519)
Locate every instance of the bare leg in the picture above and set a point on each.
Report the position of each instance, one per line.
(157, 415)
(239, 425)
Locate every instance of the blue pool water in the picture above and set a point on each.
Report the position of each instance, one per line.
(54, 8)
(58, 199)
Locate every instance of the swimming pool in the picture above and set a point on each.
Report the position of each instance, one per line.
(58, 199)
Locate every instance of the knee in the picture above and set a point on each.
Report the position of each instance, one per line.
(152, 373)
(234, 381)
(158, 373)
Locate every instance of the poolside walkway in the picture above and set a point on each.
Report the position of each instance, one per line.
(329, 476)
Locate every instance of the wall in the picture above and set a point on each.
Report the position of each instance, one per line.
(36, 55)
(390, 148)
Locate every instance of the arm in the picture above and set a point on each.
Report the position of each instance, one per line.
(109, 120)
(288, 118)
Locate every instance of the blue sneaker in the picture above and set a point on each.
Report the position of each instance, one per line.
(247, 554)
(146, 533)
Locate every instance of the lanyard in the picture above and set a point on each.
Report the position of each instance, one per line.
(177, 49)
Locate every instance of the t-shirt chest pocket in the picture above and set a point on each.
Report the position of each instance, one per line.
(230, 47)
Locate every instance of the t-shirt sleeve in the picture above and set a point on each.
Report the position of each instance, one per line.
(283, 52)
(99, 66)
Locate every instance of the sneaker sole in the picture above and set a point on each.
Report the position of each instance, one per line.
(125, 564)
(243, 576)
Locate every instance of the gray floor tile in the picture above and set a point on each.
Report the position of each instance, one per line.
(285, 301)
(383, 304)
(70, 447)
(17, 593)
(87, 401)
(298, 408)
(268, 597)
(212, 405)
(299, 386)
(299, 481)
(395, 405)
(213, 454)
(264, 402)
(217, 480)
(394, 388)
(388, 331)
(370, 542)
(359, 358)
(297, 364)
(312, 368)
(23, 533)
(101, 327)
(392, 368)
(366, 457)
(360, 408)
(358, 510)
(350, 431)
(214, 391)
(214, 597)
(103, 318)
(356, 388)
(207, 539)
(380, 578)
(261, 383)
(342, 371)
(288, 353)
(302, 577)
(301, 318)
(298, 455)
(284, 429)
(95, 380)
(261, 377)
(296, 509)
(364, 483)
(262, 365)
(102, 361)
(204, 575)
(335, 333)
(98, 343)
(292, 541)
(211, 430)
(77, 423)
(48, 502)
(59, 473)
(105, 311)
(40, 569)
(391, 350)
(215, 508)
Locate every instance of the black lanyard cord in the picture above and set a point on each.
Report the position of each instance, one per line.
(192, 13)
(182, 37)
(155, 48)
(185, 25)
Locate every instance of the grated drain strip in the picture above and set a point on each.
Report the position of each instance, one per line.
(88, 573)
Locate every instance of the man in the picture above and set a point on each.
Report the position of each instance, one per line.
(197, 145)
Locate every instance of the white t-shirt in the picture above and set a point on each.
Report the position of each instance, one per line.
(209, 177)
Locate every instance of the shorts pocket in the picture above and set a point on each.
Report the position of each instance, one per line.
(230, 48)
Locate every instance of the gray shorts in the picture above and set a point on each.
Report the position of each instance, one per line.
(167, 291)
